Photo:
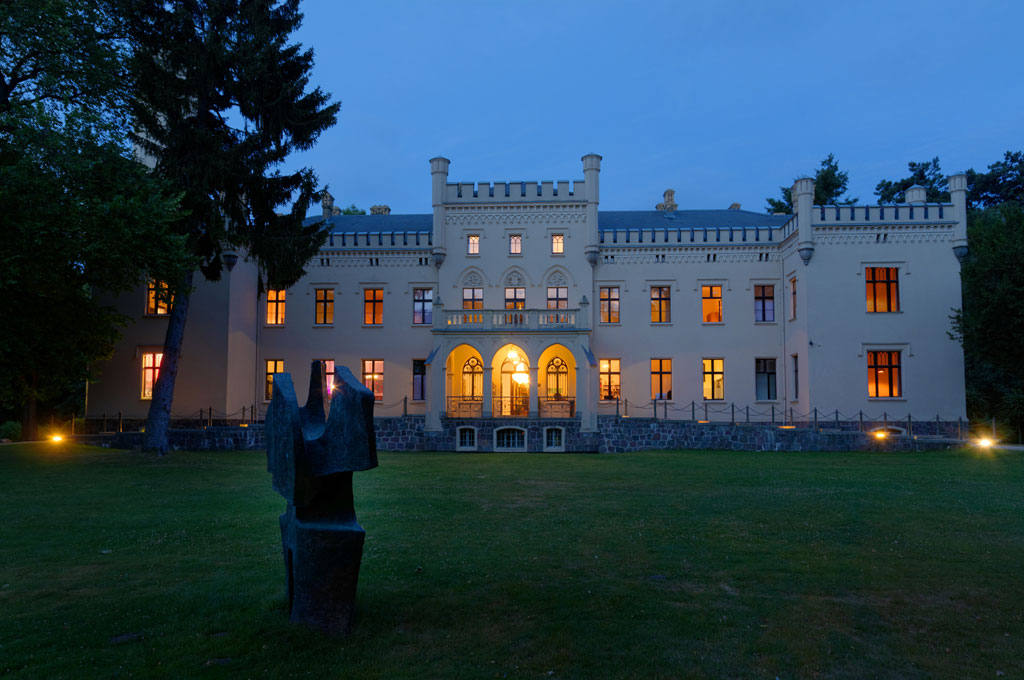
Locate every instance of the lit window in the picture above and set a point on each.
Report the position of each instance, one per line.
(884, 374)
(324, 306)
(557, 378)
(792, 294)
(711, 304)
(611, 379)
(423, 306)
(472, 298)
(273, 366)
(328, 365)
(883, 289)
(661, 379)
(157, 303)
(558, 297)
(764, 303)
(661, 304)
(473, 244)
(150, 372)
(515, 244)
(419, 375)
(764, 379)
(473, 378)
(515, 298)
(373, 306)
(609, 297)
(373, 377)
(714, 378)
(275, 307)
(557, 244)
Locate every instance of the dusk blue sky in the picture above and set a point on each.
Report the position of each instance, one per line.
(722, 101)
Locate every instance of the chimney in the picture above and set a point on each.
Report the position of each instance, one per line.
(916, 194)
(669, 203)
(380, 210)
(327, 203)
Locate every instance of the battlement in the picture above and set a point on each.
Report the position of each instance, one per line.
(514, 192)
(887, 214)
(687, 235)
(380, 239)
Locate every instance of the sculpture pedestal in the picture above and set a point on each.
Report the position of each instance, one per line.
(322, 561)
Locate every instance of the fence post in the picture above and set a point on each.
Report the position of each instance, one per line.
(617, 400)
(791, 416)
(405, 405)
(627, 408)
(72, 424)
(201, 418)
(773, 415)
(959, 427)
(654, 407)
(693, 410)
(748, 413)
(665, 406)
(815, 418)
(860, 415)
(209, 421)
(120, 422)
(885, 420)
(937, 426)
(837, 419)
(910, 426)
(732, 415)
(252, 412)
(706, 411)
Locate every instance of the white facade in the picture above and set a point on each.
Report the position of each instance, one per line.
(705, 309)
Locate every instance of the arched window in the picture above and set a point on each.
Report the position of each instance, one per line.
(472, 378)
(558, 378)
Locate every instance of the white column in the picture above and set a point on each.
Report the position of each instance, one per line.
(488, 391)
(436, 393)
(591, 172)
(534, 392)
(439, 185)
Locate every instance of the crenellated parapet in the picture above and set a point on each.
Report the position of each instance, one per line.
(511, 192)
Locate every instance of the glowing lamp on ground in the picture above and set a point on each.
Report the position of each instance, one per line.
(881, 434)
(56, 438)
(985, 442)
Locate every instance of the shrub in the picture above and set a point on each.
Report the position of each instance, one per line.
(10, 430)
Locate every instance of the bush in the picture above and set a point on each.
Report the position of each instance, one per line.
(10, 430)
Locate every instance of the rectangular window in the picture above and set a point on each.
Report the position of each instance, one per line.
(328, 365)
(324, 306)
(714, 379)
(764, 379)
(558, 297)
(275, 307)
(611, 379)
(711, 304)
(515, 298)
(883, 289)
(150, 372)
(553, 438)
(796, 376)
(609, 304)
(373, 377)
(661, 304)
(472, 298)
(884, 375)
(558, 243)
(373, 306)
(419, 376)
(764, 303)
(473, 244)
(156, 299)
(661, 379)
(423, 306)
(792, 302)
(515, 244)
(273, 366)
(467, 438)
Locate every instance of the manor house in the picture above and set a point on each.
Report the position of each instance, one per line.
(516, 315)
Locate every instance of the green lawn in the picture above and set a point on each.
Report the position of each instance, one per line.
(649, 565)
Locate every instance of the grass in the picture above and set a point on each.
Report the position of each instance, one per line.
(650, 565)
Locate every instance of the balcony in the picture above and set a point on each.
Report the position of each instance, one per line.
(512, 320)
(510, 407)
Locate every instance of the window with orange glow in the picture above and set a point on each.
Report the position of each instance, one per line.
(611, 379)
(373, 377)
(711, 304)
(373, 306)
(473, 244)
(883, 289)
(273, 366)
(609, 304)
(275, 307)
(714, 378)
(324, 306)
(661, 379)
(150, 372)
(661, 304)
(157, 303)
(884, 375)
(557, 244)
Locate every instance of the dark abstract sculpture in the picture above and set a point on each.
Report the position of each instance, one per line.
(312, 454)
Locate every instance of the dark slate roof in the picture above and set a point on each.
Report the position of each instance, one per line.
(607, 219)
(378, 223)
(686, 219)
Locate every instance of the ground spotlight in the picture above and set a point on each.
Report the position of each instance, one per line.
(56, 438)
(985, 442)
(881, 434)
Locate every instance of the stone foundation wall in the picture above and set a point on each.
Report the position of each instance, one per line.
(614, 435)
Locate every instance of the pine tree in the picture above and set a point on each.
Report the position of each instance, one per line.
(221, 102)
(829, 186)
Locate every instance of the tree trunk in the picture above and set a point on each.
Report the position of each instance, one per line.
(29, 425)
(159, 419)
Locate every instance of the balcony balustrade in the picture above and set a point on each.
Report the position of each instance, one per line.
(513, 320)
(510, 407)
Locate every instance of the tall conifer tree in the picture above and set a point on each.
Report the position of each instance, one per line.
(222, 100)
